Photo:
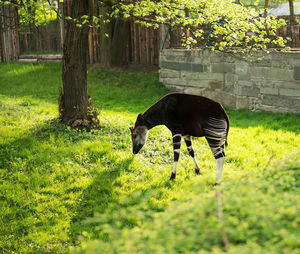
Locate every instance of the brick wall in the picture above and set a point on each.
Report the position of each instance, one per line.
(271, 83)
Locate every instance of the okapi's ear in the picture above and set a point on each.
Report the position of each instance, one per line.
(131, 129)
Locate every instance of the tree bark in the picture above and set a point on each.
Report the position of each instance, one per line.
(292, 15)
(114, 40)
(74, 100)
(121, 43)
(106, 34)
(292, 20)
(9, 34)
(266, 8)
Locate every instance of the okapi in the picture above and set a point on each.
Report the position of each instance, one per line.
(186, 115)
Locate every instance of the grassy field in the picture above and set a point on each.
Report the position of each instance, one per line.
(63, 191)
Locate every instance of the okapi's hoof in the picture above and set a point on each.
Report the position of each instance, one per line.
(173, 176)
(197, 171)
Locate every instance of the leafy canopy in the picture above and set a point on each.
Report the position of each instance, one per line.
(33, 11)
(219, 24)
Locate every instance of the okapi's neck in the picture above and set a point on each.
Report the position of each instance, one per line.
(153, 116)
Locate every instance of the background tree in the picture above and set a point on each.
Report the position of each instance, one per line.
(292, 20)
(74, 102)
(114, 37)
(9, 33)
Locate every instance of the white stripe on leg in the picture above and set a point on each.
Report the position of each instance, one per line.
(174, 170)
(196, 164)
(220, 164)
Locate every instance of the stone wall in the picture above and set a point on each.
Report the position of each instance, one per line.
(271, 83)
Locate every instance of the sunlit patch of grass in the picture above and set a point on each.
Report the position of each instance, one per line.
(62, 188)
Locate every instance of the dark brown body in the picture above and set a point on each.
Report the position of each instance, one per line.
(184, 113)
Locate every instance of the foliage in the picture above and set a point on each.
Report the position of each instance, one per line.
(38, 12)
(222, 24)
(219, 24)
(31, 12)
(62, 188)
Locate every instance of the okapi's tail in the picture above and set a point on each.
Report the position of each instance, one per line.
(227, 129)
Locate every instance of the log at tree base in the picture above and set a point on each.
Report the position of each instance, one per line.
(80, 120)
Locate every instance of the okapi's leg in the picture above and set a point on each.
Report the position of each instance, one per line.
(176, 148)
(219, 154)
(215, 133)
(188, 142)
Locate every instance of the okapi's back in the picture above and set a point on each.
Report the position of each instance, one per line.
(193, 112)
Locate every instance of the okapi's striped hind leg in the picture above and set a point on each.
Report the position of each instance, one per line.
(176, 148)
(219, 154)
(215, 133)
(188, 142)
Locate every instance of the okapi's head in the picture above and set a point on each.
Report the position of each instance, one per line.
(139, 134)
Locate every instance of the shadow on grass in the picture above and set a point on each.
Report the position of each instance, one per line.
(97, 198)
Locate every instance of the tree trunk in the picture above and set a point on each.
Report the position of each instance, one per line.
(121, 43)
(74, 100)
(266, 8)
(292, 20)
(292, 15)
(114, 40)
(9, 34)
(61, 22)
(106, 34)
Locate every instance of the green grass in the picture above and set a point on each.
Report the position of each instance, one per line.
(60, 188)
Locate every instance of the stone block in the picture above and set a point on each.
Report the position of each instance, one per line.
(174, 52)
(174, 81)
(202, 76)
(270, 73)
(227, 99)
(297, 72)
(214, 85)
(199, 83)
(175, 88)
(295, 62)
(269, 90)
(198, 67)
(242, 102)
(231, 79)
(182, 66)
(241, 68)
(193, 90)
(289, 92)
(285, 84)
(203, 61)
(229, 88)
(189, 56)
(165, 73)
(222, 68)
(212, 95)
(245, 83)
(247, 91)
(282, 101)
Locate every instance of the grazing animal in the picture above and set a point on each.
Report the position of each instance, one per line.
(185, 116)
